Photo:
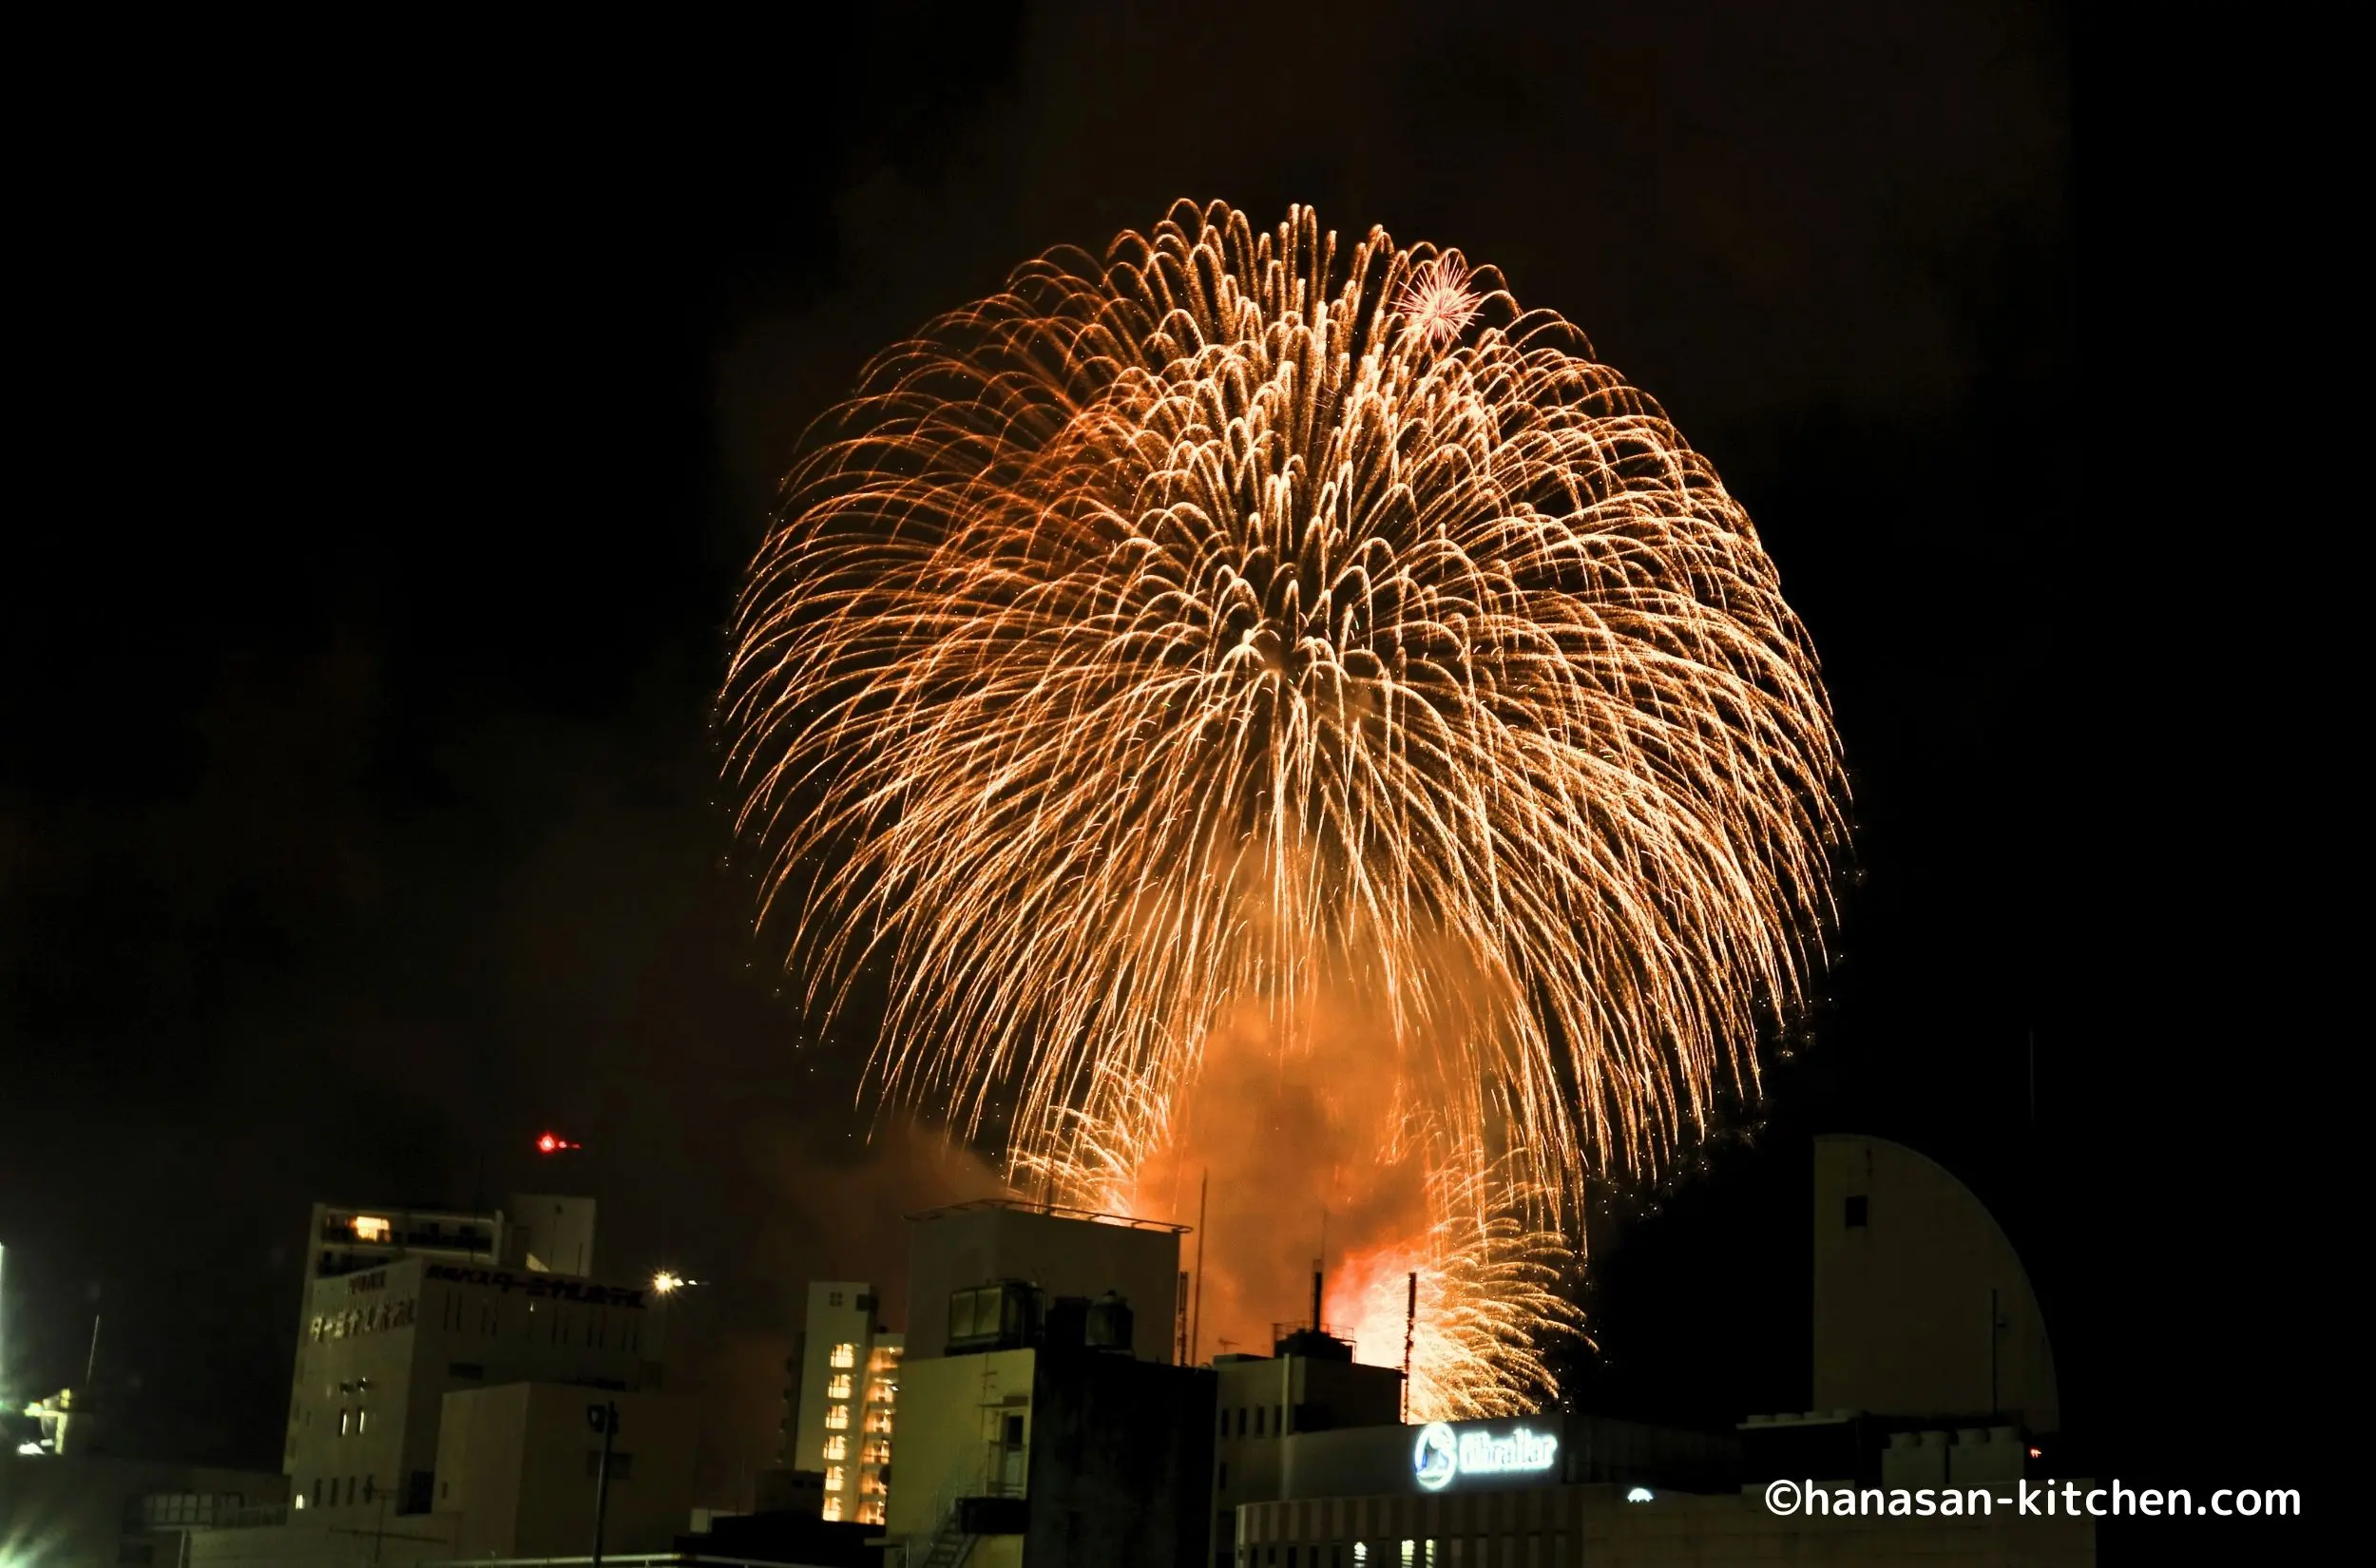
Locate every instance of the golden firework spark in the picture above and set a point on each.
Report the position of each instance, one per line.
(1241, 620)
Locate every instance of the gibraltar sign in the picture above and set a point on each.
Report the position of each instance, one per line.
(1443, 1453)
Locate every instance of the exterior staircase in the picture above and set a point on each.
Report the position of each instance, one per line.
(951, 1546)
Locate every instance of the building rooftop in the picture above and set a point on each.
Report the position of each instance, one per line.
(1051, 1210)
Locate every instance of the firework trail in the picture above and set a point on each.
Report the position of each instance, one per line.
(1236, 622)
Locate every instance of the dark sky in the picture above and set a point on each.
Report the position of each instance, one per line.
(403, 427)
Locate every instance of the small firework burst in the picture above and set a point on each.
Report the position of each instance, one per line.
(1437, 301)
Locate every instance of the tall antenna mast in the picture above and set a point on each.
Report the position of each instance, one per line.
(1196, 1320)
(1411, 1333)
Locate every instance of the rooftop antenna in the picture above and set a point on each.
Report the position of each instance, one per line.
(90, 1365)
(1411, 1333)
(1319, 1268)
(1196, 1321)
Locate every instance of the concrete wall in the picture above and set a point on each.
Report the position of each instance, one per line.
(515, 1471)
(953, 1412)
(1902, 1300)
(1295, 1392)
(549, 1232)
(415, 1333)
(956, 1249)
(1122, 1457)
(361, 1328)
(1572, 1526)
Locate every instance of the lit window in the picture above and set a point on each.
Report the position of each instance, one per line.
(837, 1446)
(844, 1355)
(837, 1418)
(839, 1387)
(870, 1513)
(833, 1478)
(833, 1508)
(882, 1393)
(371, 1228)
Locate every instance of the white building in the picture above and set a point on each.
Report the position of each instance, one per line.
(382, 1348)
(840, 1425)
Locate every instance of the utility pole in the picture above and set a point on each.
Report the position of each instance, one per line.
(604, 1418)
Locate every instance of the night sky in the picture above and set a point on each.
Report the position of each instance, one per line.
(403, 430)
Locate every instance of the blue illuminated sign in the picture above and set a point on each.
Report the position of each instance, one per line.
(1444, 1453)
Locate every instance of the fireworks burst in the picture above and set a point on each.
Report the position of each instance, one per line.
(1438, 302)
(1238, 621)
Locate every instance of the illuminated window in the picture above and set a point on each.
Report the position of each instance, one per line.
(833, 1508)
(833, 1478)
(839, 1387)
(837, 1418)
(876, 1421)
(371, 1228)
(882, 1393)
(844, 1355)
(837, 1446)
(870, 1513)
(884, 1359)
